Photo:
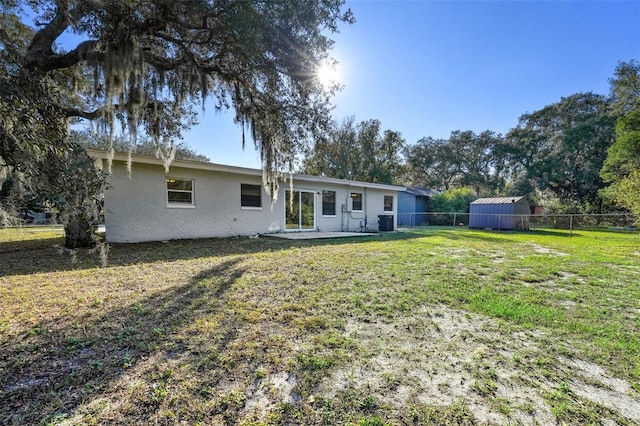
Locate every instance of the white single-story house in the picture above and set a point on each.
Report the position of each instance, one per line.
(202, 200)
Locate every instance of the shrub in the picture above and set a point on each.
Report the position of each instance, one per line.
(454, 201)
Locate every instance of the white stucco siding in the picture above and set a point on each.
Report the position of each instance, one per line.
(345, 219)
(374, 201)
(372, 206)
(330, 223)
(136, 207)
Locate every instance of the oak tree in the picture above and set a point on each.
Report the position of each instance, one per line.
(621, 168)
(561, 148)
(357, 152)
(144, 66)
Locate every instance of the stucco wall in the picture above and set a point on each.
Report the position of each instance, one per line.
(136, 207)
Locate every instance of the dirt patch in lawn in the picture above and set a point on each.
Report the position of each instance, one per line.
(547, 250)
(503, 377)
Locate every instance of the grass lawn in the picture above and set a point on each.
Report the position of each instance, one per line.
(439, 326)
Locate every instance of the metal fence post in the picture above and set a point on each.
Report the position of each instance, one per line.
(570, 224)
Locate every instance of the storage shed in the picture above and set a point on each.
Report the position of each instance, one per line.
(499, 213)
(413, 205)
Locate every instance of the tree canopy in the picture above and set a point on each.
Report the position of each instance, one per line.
(142, 146)
(622, 166)
(146, 63)
(145, 66)
(561, 148)
(358, 152)
(465, 159)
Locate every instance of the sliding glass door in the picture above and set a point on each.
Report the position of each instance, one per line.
(300, 214)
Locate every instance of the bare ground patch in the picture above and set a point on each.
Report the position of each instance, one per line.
(547, 250)
(448, 355)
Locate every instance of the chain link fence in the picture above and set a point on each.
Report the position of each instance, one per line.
(612, 221)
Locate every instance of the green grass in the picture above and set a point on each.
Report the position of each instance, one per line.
(408, 328)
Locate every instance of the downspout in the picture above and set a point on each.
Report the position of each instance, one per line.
(342, 218)
(364, 228)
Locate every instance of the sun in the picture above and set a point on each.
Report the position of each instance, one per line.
(327, 74)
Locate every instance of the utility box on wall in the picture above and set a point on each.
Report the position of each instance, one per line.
(385, 222)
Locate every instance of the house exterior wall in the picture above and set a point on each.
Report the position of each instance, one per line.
(136, 206)
(406, 207)
(422, 206)
(409, 208)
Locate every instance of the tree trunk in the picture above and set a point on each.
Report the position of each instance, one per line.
(79, 232)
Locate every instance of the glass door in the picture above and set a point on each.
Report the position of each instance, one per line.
(300, 212)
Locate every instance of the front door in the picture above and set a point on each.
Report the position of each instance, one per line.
(300, 212)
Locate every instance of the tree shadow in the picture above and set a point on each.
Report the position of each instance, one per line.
(497, 236)
(63, 362)
(557, 233)
(48, 255)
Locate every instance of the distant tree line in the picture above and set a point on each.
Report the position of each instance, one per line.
(357, 152)
(582, 153)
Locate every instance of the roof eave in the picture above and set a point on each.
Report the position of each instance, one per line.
(200, 165)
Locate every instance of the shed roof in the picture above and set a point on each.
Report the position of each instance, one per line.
(499, 200)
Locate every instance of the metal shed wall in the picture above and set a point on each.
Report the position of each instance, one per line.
(498, 213)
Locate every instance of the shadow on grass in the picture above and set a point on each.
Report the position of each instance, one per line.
(47, 373)
(497, 236)
(49, 255)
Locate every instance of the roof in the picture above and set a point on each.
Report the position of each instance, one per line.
(201, 165)
(425, 192)
(499, 200)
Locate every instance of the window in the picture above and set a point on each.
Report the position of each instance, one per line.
(329, 203)
(180, 191)
(388, 203)
(250, 195)
(356, 198)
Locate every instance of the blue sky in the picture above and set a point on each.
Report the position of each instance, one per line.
(426, 68)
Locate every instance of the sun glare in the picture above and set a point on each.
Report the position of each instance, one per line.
(328, 74)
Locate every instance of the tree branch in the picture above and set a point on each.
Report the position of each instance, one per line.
(85, 51)
(43, 40)
(163, 63)
(40, 53)
(77, 112)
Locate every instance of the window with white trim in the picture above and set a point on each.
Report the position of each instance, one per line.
(388, 203)
(250, 195)
(328, 203)
(356, 198)
(180, 191)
